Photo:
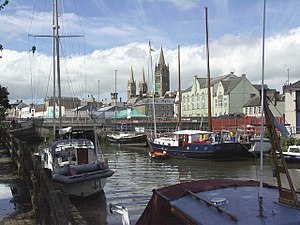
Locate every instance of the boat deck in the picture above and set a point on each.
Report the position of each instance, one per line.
(240, 203)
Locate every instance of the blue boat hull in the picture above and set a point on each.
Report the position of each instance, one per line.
(218, 151)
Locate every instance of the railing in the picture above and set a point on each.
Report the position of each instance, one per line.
(49, 207)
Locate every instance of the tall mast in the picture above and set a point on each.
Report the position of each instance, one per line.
(54, 82)
(261, 174)
(56, 27)
(179, 92)
(208, 74)
(154, 89)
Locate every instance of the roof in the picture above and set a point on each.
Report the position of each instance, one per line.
(293, 87)
(230, 84)
(191, 132)
(255, 101)
(128, 113)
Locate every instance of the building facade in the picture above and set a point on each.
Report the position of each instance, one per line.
(292, 108)
(228, 95)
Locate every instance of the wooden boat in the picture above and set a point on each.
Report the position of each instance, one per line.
(74, 166)
(216, 201)
(128, 138)
(292, 154)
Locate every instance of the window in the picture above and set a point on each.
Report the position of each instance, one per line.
(193, 105)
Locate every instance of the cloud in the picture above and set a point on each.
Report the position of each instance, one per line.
(27, 76)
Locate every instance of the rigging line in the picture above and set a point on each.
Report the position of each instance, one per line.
(33, 13)
(80, 22)
(31, 75)
(67, 64)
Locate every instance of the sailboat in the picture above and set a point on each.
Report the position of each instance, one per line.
(229, 201)
(73, 163)
(198, 144)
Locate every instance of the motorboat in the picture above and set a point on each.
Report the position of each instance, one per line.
(74, 166)
(292, 154)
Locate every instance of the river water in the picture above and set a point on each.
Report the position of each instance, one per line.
(136, 175)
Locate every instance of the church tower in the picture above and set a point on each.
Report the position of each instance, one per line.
(143, 88)
(131, 86)
(162, 76)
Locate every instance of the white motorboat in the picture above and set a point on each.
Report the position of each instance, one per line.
(292, 154)
(75, 167)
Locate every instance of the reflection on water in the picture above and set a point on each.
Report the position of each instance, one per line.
(136, 175)
(6, 207)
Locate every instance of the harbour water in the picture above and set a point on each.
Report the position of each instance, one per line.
(136, 175)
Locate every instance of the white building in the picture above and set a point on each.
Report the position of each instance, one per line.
(292, 107)
(228, 95)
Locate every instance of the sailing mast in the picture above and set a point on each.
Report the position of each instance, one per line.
(56, 27)
(54, 86)
(154, 89)
(179, 92)
(261, 174)
(208, 74)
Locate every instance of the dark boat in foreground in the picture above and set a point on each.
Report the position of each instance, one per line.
(216, 201)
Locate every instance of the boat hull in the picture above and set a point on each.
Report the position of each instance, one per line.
(87, 179)
(216, 151)
(84, 188)
(130, 140)
(217, 201)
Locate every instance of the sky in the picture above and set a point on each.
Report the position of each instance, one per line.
(103, 39)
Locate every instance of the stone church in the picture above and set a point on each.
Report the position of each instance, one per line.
(162, 81)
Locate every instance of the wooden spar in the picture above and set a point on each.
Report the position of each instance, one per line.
(179, 92)
(208, 75)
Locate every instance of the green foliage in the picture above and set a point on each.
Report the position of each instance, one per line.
(290, 141)
(4, 102)
(266, 133)
(2, 113)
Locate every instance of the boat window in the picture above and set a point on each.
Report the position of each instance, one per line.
(294, 149)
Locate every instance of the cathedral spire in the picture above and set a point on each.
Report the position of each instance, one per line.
(131, 78)
(143, 75)
(161, 57)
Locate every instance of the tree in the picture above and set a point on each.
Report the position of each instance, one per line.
(4, 102)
